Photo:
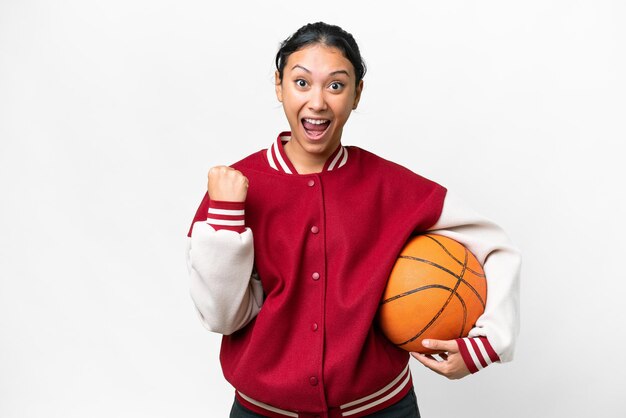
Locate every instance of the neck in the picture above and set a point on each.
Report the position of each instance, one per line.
(306, 162)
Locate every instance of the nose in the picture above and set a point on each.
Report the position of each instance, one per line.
(317, 101)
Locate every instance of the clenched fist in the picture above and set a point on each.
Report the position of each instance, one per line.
(227, 184)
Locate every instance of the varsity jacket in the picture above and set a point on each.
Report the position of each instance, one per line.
(297, 303)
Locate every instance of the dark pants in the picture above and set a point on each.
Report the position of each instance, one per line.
(404, 408)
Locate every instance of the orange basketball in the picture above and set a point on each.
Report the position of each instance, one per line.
(437, 289)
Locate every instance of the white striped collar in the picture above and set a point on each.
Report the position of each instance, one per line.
(277, 158)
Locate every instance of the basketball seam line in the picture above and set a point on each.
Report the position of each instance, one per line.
(443, 247)
(408, 257)
(453, 292)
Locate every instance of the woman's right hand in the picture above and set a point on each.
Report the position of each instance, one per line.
(227, 184)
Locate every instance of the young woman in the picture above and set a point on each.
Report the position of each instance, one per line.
(296, 303)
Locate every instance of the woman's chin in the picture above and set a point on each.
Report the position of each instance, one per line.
(316, 144)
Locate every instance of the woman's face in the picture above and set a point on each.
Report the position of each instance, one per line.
(318, 93)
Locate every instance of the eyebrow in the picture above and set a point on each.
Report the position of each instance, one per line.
(332, 73)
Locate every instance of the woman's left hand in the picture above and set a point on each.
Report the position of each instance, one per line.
(452, 366)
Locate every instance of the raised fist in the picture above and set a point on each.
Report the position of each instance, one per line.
(227, 184)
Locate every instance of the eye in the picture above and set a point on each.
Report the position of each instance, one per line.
(336, 86)
(301, 83)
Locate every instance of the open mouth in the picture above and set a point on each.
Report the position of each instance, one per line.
(315, 128)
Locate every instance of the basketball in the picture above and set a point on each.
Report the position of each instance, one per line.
(436, 290)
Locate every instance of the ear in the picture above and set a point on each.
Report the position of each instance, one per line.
(278, 85)
(357, 96)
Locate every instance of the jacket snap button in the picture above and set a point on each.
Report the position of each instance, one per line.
(315, 276)
(311, 183)
(315, 229)
(314, 327)
(313, 381)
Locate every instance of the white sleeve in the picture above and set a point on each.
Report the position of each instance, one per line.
(501, 262)
(226, 293)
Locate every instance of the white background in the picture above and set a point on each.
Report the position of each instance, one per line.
(111, 112)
